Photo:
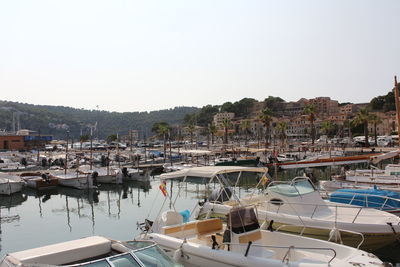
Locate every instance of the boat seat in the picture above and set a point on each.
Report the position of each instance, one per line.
(64, 253)
(168, 230)
(209, 226)
(247, 237)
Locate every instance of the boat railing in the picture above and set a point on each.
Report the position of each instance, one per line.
(340, 230)
(357, 209)
(371, 203)
(290, 248)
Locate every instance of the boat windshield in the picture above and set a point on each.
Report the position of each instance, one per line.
(151, 255)
(295, 188)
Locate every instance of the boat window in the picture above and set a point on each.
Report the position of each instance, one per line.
(154, 256)
(296, 188)
(124, 260)
(102, 263)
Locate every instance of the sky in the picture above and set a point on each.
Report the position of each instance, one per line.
(127, 55)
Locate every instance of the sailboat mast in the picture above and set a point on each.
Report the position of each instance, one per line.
(396, 95)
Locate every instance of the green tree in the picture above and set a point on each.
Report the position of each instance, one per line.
(265, 117)
(328, 128)
(162, 129)
(311, 112)
(227, 124)
(375, 119)
(363, 117)
(281, 127)
(191, 127)
(111, 138)
(245, 128)
(84, 138)
(273, 102)
(212, 129)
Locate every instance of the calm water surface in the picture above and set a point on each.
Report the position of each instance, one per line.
(33, 219)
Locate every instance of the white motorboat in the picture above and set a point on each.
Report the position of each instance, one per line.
(388, 179)
(133, 174)
(9, 186)
(91, 251)
(297, 207)
(241, 242)
(102, 175)
(75, 180)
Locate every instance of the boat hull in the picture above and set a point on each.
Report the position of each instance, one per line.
(11, 188)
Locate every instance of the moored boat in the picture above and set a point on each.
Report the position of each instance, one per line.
(91, 251)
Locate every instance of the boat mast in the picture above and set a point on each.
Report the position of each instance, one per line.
(396, 95)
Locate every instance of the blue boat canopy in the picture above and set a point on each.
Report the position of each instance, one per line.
(373, 198)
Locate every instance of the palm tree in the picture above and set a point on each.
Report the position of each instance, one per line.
(363, 117)
(163, 131)
(226, 123)
(191, 127)
(245, 127)
(311, 112)
(266, 118)
(212, 129)
(327, 127)
(83, 138)
(375, 119)
(281, 128)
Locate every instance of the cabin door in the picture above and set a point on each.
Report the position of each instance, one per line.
(6, 145)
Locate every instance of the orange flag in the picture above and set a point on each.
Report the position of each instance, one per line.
(163, 188)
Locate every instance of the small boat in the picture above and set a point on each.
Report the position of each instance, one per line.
(133, 174)
(385, 200)
(75, 180)
(243, 242)
(10, 186)
(91, 251)
(297, 207)
(40, 181)
(102, 175)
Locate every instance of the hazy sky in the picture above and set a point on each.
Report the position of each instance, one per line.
(126, 55)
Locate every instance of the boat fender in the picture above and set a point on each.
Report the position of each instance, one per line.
(334, 236)
(214, 244)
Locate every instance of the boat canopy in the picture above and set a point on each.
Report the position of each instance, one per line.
(209, 171)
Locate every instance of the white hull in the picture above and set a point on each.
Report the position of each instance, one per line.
(10, 187)
(80, 182)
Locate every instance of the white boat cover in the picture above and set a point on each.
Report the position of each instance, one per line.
(209, 171)
(66, 252)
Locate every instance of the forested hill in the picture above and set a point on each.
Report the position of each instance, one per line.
(56, 120)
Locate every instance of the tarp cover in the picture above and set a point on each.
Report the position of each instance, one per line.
(373, 198)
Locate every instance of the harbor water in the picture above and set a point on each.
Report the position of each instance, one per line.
(33, 218)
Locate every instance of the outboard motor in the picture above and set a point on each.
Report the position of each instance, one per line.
(94, 177)
(44, 162)
(220, 195)
(46, 178)
(124, 171)
(103, 161)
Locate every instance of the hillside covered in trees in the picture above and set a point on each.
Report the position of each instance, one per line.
(56, 120)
